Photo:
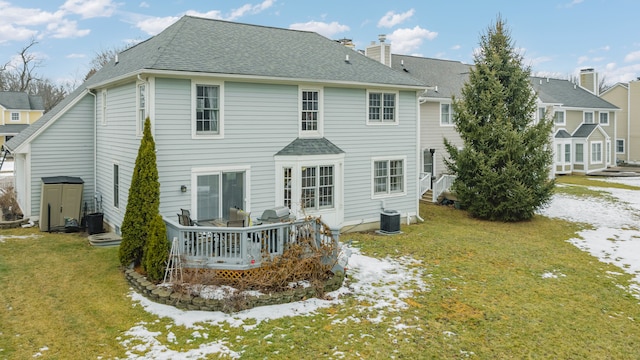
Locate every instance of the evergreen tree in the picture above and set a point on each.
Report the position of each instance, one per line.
(502, 171)
(157, 250)
(143, 203)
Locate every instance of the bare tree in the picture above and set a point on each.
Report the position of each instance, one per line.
(102, 58)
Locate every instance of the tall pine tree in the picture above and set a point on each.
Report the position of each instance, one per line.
(143, 203)
(502, 170)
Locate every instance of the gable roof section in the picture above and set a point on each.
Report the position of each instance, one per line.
(584, 131)
(562, 134)
(564, 92)
(449, 76)
(15, 100)
(304, 147)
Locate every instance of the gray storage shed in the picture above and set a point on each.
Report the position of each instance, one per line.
(61, 200)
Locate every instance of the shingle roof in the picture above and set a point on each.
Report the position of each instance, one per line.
(562, 134)
(207, 46)
(564, 92)
(14, 100)
(584, 130)
(300, 147)
(449, 76)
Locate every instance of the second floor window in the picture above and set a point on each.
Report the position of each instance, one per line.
(207, 109)
(15, 116)
(382, 107)
(604, 118)
(558, 118)
(446, 114)
(310, 110)
(588, 117)
(142, 107)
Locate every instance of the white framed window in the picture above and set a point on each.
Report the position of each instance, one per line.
(317, 185)
(216, 190)
(567, 153)
(311, 185)
(388, 176)
(116, 186)
(559, 117)
(579, 153)
(15, 116)
(604, 118)
(103, 99)
(596, 152)
(310, 112)
(141, 100)
(587, 117)
(208, 109)
(382, 107)
(619, 146)
(446, 114)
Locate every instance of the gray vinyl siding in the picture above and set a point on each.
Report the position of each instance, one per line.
(259, 120)
(432, 135)
(116, 143)
(65, 149)
(345, 125)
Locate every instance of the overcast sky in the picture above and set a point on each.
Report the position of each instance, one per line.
(557, 37)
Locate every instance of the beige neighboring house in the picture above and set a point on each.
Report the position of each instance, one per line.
(626, 96)
(17, 111)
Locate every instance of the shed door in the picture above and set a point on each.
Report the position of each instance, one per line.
(51, 201)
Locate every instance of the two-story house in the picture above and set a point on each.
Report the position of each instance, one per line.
(584, 123)
(626, 96)
(243, 116)
(17, 111)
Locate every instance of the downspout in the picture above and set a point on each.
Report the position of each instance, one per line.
(95, 141)
(418, 157)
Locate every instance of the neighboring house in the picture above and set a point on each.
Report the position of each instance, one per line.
(626, 96)
(243, 116)
(17, 111)
(584, 123)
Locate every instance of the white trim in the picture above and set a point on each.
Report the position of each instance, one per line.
(253, 78)
(320, 131)
(388, 194)
(219, 170)
(396, 120)
(194, 94)
(139, 121)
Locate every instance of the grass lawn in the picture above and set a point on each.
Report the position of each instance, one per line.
(487, 298)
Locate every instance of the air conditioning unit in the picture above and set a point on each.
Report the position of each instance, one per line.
(390, 222)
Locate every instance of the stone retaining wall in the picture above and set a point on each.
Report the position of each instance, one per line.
(166, 296)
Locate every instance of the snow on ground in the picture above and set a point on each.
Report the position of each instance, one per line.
(614, 237)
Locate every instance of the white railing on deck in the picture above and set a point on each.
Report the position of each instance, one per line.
(239, 248)
(425, 183)
(441, 185)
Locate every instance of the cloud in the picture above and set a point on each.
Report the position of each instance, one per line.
(66, 29)
(76, 56)
(155, 25)
(322, 28)
(90, 8)
(456, 47)
(391, 19)
(540, 60)
(9, 32)
(144, 4)
(406, 40)
(249, 9)
(633, 56)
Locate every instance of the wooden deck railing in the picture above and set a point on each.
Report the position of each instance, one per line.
(425, 183)
(240, 248)
(443, 184)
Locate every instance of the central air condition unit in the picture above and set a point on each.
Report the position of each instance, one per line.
(390, 222)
